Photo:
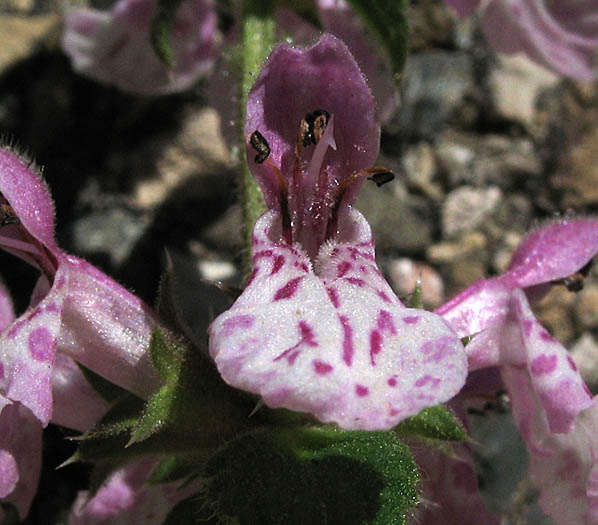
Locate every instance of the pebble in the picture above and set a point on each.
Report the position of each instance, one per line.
(405, 273)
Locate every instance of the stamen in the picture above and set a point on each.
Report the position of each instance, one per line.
(313, 127)
(7, 215)
(260, 145)
(575, 282)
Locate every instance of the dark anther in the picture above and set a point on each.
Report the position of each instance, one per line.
(7, 215)
(260, 145)
(314, 127)
(575, 282)
(381, 176)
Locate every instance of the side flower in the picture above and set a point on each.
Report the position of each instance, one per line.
(114, 46)
(76, 313)
(317, 328)
(560, 35)
(553, 408)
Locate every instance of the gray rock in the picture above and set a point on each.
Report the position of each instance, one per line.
(466, 208)
(434, 88)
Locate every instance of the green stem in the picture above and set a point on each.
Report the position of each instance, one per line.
(258, 38)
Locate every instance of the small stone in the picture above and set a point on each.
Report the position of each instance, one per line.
(21, 36)
(435, 86)
(466, 208)
(504, 253)
(515, 85)
(420, 166)
(554, 312)
(585, 354)
(586, 308)
(404, 275)
(578, 174)
(450, 251)
(217, 270)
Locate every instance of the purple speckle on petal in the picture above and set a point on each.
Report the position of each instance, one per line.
(1, 371)
(385, 322)
(427, 379)
(356, 281)
(587, 390)
(547, 337)
(392, 382)
(60, 283)
(238, 322)
(16, 328)
(361, 390)
(527, 327)
(307, 334)
(543, 364)
(383, 296)
(437, 349)
(321, 367)
(343, 268)
(571, 363)
(288, 290)
(253, 275)
(375, 345)
(278, 264)
(333, 297)
(347, 340)
(41, 344)
(53, 307)
(411, 319)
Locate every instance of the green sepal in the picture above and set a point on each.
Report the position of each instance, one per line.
(388, 19)
(161, 28)
(167, 305)
(313, 475)
(193, 405)
(435, 423)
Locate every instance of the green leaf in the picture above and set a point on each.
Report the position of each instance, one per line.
(388, 19)
(434, 423)
(272, 476)
(191, 511)
(161, 28)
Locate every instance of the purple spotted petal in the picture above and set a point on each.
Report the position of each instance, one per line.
(333, 340)
(20, 456)
(28, 351)
(553, 252)
(560, 35)
(562, 465)
(76, 404)
(450, 493)
(127, 497)
(107, 329)
(554, 376)
(114, 46)
(294, 82)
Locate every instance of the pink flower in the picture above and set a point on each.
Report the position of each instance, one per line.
(318, 329)
(553, 408)
(76, 313)
(450, 494)
(127, 497)
(560, 35)
(114, 46)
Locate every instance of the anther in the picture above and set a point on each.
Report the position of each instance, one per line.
(260, 145)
